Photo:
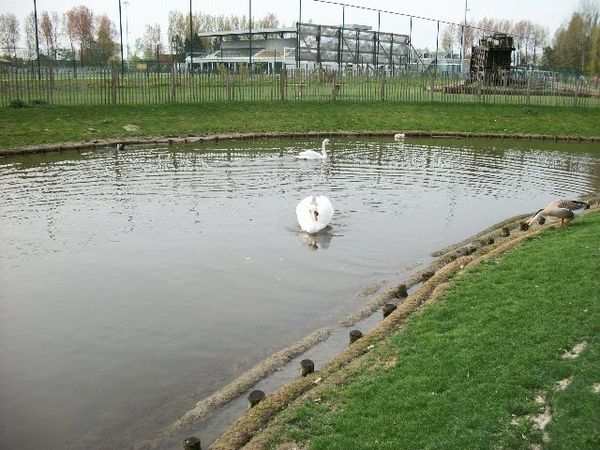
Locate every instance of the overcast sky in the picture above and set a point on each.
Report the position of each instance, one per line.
(138, 13)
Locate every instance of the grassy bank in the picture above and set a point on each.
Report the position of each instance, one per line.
(47, 125)
(506, 357)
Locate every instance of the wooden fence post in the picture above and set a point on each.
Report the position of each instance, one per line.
(432, 86)
(113, 85)
(388, 308)
(49, 85)
(228, 84)
(355, 335)
(173, 83)
(382, 94)
(336, 88)
(255, 397)
(282, 79)
(306, 367)
(192, 443)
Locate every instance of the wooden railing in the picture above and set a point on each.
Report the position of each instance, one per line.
(111, 86)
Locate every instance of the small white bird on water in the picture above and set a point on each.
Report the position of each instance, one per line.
(311, 154)
(565, 210)
(399, 136)
(314, 213)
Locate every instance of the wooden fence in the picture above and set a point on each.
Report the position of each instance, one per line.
(111, 87)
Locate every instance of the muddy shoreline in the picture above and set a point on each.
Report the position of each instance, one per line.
(174, 140)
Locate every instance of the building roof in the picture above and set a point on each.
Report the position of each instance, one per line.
(260, 31)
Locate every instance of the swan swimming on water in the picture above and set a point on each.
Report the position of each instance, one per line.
(399, 136)
(314, 213)
(311, 154)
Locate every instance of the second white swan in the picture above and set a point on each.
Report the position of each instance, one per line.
(311, 154)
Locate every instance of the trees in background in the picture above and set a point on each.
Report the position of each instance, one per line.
(529, 38)
(80, 30)
(149, 46)
(576, 45)
(10, 35)
(178, 33)
(78, 34)
(49, 31)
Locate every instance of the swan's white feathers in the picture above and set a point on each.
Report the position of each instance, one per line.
(305, 213)
(311, 154)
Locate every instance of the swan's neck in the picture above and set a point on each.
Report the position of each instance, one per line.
(323, 151)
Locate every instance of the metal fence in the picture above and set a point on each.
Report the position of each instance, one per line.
(113, 86)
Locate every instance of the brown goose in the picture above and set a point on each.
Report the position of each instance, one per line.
(565, 210)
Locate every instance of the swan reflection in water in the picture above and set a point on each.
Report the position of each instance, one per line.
(317, 241)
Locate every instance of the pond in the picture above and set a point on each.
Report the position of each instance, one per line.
(136, 282)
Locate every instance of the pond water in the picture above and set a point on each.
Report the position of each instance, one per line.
(136, 282)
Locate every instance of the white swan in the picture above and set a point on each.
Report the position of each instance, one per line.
(399, 136)
(314, 213)
(311, 154)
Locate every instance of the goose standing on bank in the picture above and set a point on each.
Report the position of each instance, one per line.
(314, 213)
(565, 210)
(311, 154)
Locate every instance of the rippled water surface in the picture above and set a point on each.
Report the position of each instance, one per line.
(136, 282)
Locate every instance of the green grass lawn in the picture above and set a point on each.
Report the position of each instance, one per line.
(20, 127)
(476, 368)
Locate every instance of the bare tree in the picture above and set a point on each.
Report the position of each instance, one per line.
(9, 35)
(469, 35)
(80, 26)
(30, 45)
(106, 34)
(49, 27)
(150, 44)
(448, 38)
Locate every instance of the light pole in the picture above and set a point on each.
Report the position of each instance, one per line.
(121, 37)
(126, 3)
(250, 35)
(463, 39)
(191, 42)
(37, 39)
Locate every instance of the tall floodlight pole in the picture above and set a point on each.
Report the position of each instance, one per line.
(297, 52)
(37, 39)
(121, 37)
(126, 3)
(463, 38)
(250, 34)
(191, 42)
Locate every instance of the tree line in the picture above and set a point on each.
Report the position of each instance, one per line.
(81, 35)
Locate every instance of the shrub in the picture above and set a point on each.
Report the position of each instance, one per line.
(17, 104)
